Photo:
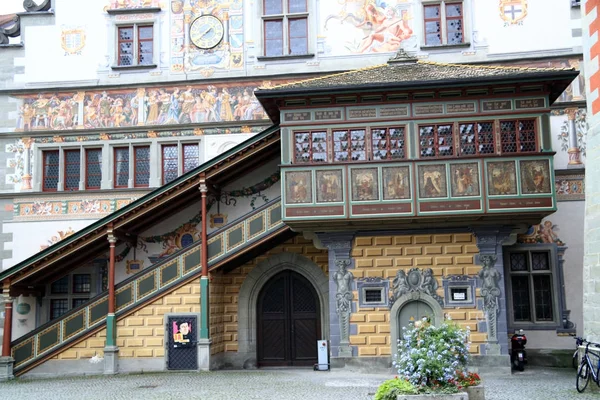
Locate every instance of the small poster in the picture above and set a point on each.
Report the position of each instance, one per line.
(182, 334)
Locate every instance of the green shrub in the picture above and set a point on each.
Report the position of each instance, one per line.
(391, 388)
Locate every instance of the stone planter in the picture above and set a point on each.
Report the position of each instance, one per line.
(454, 396)
(476, 392)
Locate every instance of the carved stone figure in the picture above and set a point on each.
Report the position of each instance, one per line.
(490, 291)
(343, 280)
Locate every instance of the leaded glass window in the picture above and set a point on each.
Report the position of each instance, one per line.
(82, 283)
(135, 45)
(72, 169)
(93, 166)
(58, 307)
(191, 157)
(51, 170)
(443, 22)
(518, 136)
(60, 286)
(285, 24)
(169, 163)
(121, 167)
(142, 166)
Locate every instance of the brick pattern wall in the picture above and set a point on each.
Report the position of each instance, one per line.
(224, 298)
(142, 333)
(383, 256)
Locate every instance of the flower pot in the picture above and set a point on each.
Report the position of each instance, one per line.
(454, 396)
(476, 392)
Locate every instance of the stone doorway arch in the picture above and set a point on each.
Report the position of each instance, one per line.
(406, 299)
(254, 282)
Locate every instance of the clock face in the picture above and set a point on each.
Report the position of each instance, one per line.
(206, 31)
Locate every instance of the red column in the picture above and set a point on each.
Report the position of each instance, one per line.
(7, 327)
(204, 256)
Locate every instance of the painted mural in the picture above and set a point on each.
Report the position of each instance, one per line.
(298, 187)
(329, 186)
(432, 181)
(570, 187)
(513, 12)
(464, 179)
(90, 207)
(396, 183)
(535, 176)
(541, 233)
(502, 178)
(140, 107)
(60, 235)
(582, 127)
(366, 26)
(365, 184)
(227, 55)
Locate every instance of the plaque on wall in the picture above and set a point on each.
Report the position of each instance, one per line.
(329, 186)
(428, 109)
(365, 184)
(296, 116)
(432, 181)
(530, 103)
(307, 212)
(502, 178)
(362, 113)
(496, 105)
(329, 114)
(460, 108)
(541, 202)
(401, 111)
(445, 206)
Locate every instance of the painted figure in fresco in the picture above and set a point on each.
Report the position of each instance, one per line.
(389, 35)
(187, 108)
(502, 180)
(329, 186)
(225, 101)
(432, 183)
(364, 186)
(298, 189)
(535, 179)
(104, 107)
(40, 107)
(464, 183)
(152, 108)
(174, 109)
(546, 232)
(395, 186)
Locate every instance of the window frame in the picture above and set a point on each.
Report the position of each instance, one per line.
(436, 143)
(285, 17)
(476, 142)
(184, 158)
(518, 142)
(135, 26)
(163, 171)
(553, 272)
(70, 296)
(443, 19)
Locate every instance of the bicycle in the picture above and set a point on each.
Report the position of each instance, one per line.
(578, 342)
(586, 369)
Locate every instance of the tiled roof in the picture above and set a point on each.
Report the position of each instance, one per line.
(403, 68)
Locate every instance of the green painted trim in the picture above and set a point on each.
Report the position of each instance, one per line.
(111, 330)
(147, 198)
(204, 308)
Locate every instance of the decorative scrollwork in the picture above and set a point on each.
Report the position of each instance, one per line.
(415, 281)
(32, 6)
(13, 31)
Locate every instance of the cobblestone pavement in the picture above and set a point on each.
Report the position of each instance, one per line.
(302, 384)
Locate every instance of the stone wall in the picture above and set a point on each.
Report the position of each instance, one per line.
(383, 256)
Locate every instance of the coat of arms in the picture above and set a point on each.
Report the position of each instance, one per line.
(72, 41)
(513, 12)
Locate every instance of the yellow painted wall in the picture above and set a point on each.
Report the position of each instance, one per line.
(383, 256)
(142, 333)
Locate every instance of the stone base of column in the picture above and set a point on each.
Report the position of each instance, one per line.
(6, 368)
(345, 351)
(111, 360)
(204, 354)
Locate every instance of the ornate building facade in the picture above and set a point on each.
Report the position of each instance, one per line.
(133, 105)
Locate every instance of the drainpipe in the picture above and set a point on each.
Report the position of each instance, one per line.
(204, 331)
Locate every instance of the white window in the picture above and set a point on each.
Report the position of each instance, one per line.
(443, 22)
(285, 27)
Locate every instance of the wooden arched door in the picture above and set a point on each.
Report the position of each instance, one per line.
(414, 311)
(288, 321)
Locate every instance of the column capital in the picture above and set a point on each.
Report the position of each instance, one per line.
(7, 299)
(340, 244)
(571, 113)
(112, 239)
(489, 238)
(203, 188)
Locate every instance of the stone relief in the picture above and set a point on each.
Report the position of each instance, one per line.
(490, 291)
(417, 280)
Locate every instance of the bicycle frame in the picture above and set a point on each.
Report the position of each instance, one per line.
(586, 358)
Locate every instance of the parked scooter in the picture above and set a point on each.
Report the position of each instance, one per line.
(518, 356)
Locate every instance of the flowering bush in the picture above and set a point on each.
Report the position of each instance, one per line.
(431, 357)
(464, 380)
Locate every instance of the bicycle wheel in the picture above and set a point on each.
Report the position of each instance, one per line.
(583, 376)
